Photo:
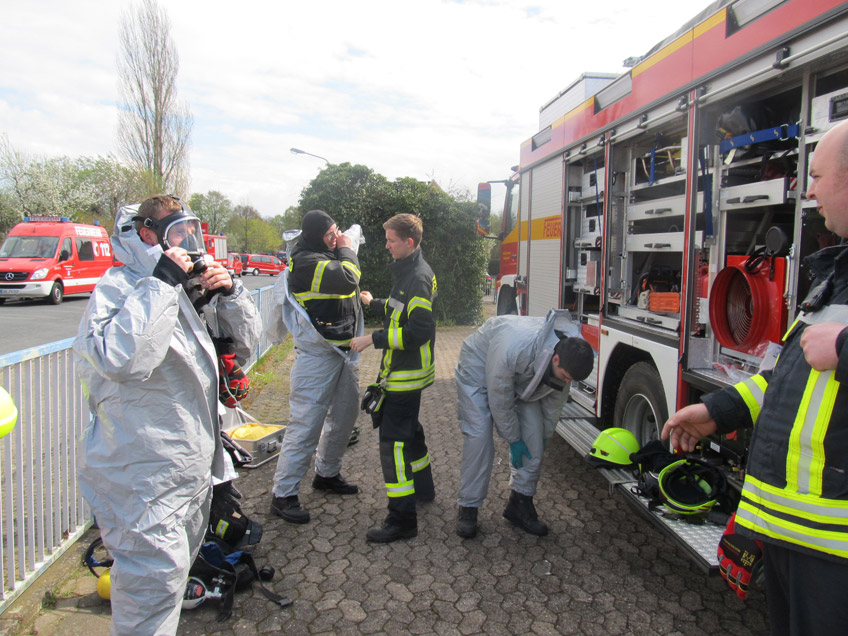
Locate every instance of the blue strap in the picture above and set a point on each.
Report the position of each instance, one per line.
(785, 131)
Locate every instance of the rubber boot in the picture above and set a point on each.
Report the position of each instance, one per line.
(521, 512)
(466, 522)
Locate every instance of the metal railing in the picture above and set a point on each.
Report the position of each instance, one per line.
(41, 510)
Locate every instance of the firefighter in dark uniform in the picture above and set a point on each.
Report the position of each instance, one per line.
(795, 494)
(407, 368)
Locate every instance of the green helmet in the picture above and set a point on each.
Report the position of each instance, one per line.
(8, 413)
(612, 449)
(690, 486)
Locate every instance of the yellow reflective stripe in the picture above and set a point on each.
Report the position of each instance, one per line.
(339, 343)
(302, 297)
(759, 500)
(751, 390)
(352, 267)
(788, 331)
(318, 275)
(805, 455)
(421, 464)
(403, 486)
(400, 473)
(395, 331)
(419, 302)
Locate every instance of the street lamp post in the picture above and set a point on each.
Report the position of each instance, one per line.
(298, 151)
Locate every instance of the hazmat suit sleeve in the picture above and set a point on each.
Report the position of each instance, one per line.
(236, 317)
(501, 389)
(126, 333)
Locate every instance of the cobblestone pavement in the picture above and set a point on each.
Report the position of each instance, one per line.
(601, 570)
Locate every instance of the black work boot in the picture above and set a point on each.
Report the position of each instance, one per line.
(336, 484)
(389, 532)
(289, 509)
(466, 522)
(521, 512)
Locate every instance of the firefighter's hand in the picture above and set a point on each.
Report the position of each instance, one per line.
(233, 384)
(216, 277)
(343, 240)
(819, 345)
(738, 558)
(689, 426)
(361, 343)
(365, 297)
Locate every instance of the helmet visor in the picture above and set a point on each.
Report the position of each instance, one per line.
(184, 232)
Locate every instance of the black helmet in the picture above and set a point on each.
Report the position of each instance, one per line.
(691, 486)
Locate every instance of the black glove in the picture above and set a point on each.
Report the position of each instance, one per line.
(738, 558)
(169, 272)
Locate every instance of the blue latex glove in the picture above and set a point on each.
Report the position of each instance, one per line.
(517, 450)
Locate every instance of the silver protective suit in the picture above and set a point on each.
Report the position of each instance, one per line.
(323, 394)
(499, 385)
(149, 371)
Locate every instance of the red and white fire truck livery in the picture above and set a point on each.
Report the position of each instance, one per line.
(49, 257)
(666, 208)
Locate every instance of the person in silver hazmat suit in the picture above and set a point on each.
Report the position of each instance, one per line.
(150, 373)
(316, 300)
(513, 375)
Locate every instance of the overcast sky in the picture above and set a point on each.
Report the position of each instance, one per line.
(421, 88)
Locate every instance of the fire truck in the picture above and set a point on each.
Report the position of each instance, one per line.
(665, 207)
(216, 244)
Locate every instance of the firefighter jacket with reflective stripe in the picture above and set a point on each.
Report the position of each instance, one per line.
(325, 284)
(796, 485)
(408, 335)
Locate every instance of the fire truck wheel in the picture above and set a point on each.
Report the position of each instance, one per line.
(2, 300)
(255, 272)
(640, 404)
(57, 293)
(506, 301)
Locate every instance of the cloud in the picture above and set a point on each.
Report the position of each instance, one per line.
(431, 88)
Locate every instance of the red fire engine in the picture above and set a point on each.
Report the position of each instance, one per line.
(665, 207)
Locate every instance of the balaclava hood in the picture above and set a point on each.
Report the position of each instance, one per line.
(314, 227)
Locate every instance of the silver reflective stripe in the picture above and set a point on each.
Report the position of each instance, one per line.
(395, 304)
(831, 313)
(805, 456)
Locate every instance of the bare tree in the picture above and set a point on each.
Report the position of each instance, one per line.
(154, 128)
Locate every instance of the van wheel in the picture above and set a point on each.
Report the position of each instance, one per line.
(57, 293)
(506, 301)
(640, 404)
(255, 272)
(2, 300)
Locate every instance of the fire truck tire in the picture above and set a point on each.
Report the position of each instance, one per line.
(255, 272)
(640, 404)
(2, 301)
(57, 293)
(506, 301)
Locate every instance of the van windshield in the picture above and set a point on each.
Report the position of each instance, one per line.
(29, 247)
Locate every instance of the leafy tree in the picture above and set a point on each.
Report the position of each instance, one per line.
(355, 194)
(114, 185)
(154, 128)
(214, 208)
(38, 186)
(289, 220)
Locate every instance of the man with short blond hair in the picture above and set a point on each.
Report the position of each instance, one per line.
(406, 369)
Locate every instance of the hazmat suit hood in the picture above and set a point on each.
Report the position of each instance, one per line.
(136, 255)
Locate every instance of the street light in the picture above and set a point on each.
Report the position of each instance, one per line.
(298, 151)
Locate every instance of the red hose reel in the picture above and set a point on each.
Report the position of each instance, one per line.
(747, 309)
